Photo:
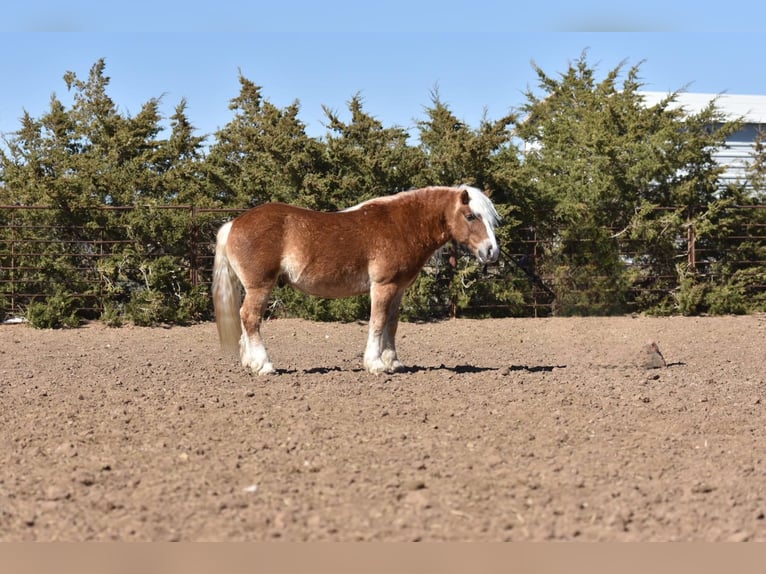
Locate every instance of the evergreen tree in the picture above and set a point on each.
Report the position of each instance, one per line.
(756, 170)
(74, 163)
(729, 276)
(263, 154)
(119, 207)
(366, 160)
(485, 158)
(601, 163)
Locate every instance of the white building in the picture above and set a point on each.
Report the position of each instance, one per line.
(750, 109)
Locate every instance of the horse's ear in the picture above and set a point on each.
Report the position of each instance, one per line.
(465, 198)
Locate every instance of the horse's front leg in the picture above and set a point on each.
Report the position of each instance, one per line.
(388, 342)
(380, 354)
(251, 348)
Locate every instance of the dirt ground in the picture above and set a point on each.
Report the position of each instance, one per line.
(517, 429)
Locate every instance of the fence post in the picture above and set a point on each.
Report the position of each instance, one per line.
(691, 251)
(193, 267)
(535, 268)
(691, 241)
(13, 261)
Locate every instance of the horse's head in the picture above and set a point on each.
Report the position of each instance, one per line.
(473, 223)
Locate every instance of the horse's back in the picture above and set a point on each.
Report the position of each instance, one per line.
(296, 224)
(265, 217)
(323, 253)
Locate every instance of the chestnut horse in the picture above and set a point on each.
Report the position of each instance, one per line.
(378, 246)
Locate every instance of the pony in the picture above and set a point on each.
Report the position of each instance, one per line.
(378, 246)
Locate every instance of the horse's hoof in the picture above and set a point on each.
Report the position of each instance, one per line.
(376, 367)
(266, 369)
(395, 367)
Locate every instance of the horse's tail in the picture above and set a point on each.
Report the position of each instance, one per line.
(226, 294)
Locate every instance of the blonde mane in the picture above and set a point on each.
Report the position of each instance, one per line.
(480, 204)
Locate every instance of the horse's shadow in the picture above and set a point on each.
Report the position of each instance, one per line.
(457, 369)
(460, 369)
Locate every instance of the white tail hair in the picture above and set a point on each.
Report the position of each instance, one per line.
(226, 295)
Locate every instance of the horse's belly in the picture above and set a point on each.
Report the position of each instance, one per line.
(332, 287)
(325, 276)
(319, 280)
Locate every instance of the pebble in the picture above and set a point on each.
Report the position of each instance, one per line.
(414, 485)
(417, 498)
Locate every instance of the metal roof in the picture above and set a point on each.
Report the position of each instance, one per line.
(751, 108)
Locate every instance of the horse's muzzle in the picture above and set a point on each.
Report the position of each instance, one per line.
(488, 252)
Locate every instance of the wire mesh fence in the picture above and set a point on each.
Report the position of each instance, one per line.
(33, 242)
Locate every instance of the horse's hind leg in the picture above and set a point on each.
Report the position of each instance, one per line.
(251, 349)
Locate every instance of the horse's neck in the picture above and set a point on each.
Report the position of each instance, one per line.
(432, 208)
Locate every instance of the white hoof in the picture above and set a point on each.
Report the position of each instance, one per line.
(257, 360)
(375, 367)
(395, 367)
(391, 362)
(266, 369)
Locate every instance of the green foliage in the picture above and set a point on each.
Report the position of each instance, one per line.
(55, 312)
(481, 295)
(289, 302)
(365, 160)
(263, 154)
(725, 300)
(112, 315)
(749, 288)
(603, 167)
(590, 275)
(421, 300)
(691, 296)
(602, 198)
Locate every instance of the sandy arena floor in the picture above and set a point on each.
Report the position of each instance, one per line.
(517, 429)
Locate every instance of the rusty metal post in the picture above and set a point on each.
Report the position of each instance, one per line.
(691, 245)
(101, 293)
(193, 267)
(536, 267)
(691, 240)
(13, 261)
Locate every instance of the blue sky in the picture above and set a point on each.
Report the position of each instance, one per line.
(394, 54)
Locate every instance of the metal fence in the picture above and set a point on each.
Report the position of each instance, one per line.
(22, 244)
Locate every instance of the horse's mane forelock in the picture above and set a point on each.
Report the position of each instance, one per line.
(482, 205)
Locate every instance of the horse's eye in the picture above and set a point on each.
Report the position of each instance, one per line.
(471, 217)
